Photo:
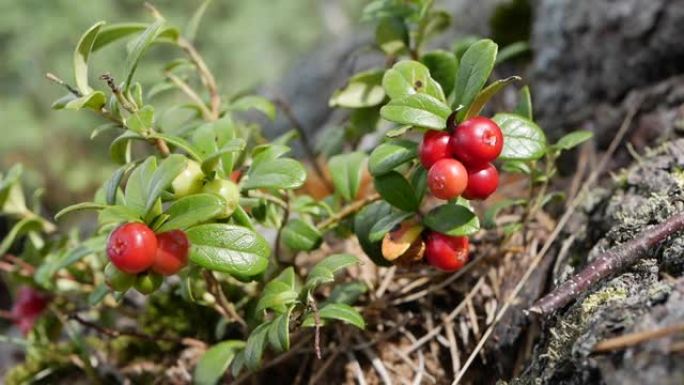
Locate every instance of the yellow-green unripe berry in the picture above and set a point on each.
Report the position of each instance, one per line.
(189, 181)
(227, 190)
(147, 283)
(116, 279)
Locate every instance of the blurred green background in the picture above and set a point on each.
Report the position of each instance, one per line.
(245, 42)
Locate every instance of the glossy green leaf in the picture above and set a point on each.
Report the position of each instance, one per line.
(141, 121)
(324, 271)
(229, 249)
(254, 102)
(278, 173)
(573, 139)
(79, 207)
(362, 90)
(120, 148)
(409, 77)
(419, 182)
(397, 191)
(280, 292)
(516, 166)
(279, 332)
(113, 32)
(523, 139)
(179, 143)
(385, 224)
(136, 186)
(22, 227)
(232, 146)
(81, 55)
(474, 70)
(461, 45)
(452, 219)
(436, 22)
(268, 152)
(443, 67)
(111, 187)
(256, 344)
(524, 107)
(512, 51)
(118, 214)
(215, 361)
(300, 235)
(486, 94)
(389, 155)
(192, 210)
(194, 22)
(139, 47)
(346, 171)
(392, 35)
(418, 110)
(364, 222)
(342, 312)
(348, 292)
(94, 100)
(63, 101)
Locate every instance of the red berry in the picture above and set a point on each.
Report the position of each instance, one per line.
(478, 140)
(172, 252)
(435, 146)
(27, 307)
(131, 247)
(482, 182)
(446, 252)
(447, 179)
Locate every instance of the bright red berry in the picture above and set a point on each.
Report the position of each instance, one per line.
(435, 146)
(172, 252)
(27, 307)
(447, 179)
(132, 247)
(476, 141)
(446, 252)
(482, 182)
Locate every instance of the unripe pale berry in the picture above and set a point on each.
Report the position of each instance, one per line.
(148, 283)
(476, 141)
(227, 190)
(445, 252)
(172, 252)
(131, 247)
(116, 279)
(447, 179)
(189, 181)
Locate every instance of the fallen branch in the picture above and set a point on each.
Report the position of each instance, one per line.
(608, 264)
(631, 339)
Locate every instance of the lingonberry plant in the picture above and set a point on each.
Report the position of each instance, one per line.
(194, 200)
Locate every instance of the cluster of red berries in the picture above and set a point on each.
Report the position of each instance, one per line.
(458, 161)
(139, 256)
(27, 307)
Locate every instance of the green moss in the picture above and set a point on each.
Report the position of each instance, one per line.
(596, 300)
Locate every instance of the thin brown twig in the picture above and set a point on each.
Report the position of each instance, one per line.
(348, 210)
(190, 93)
(304, 138)
(635, 338)
(317, 329)
(608, 263)
(214, 287)
(206, 76)
(114, 333)
(552, 238)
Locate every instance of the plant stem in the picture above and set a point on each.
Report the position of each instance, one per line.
(609, 263)
(187, 90)
(303, 137)
(205, 75)
(348, 210)
(227, 309)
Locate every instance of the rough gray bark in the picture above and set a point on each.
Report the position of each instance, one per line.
(596, 51)
(638, 300)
